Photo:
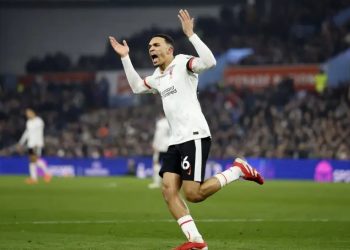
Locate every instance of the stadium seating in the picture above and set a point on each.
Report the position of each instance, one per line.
(269, 123)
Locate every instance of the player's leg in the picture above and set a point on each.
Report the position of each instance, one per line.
(170, 189)
(179, 210)
(197, 192)
(32, 167)
(171, 186)
(195, 155)
(172, 182)
(156, 168)
(239, 168)
(42, 164)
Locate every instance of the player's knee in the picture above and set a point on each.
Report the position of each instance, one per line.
(168, 192)
(194, 196)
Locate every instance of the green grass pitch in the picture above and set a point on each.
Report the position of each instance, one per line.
(122, 213)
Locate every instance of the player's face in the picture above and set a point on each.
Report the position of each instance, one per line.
(29, 113)
(161, 53)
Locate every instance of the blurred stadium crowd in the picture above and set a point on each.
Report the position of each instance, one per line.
(276, 122)
(288, 32)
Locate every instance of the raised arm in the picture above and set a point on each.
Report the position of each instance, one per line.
(206, 58)
(136, 83)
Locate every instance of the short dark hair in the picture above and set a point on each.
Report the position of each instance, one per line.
(168, 39)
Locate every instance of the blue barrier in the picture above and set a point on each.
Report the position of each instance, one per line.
(68, 166)
(292, 169)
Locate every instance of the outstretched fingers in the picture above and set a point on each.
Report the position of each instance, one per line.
(186, 22)
(180, 17)
(121, 48)
(113, 41)
(187, 15)
(184, 15)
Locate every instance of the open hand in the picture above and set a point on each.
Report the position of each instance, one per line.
(121, 49)
(187, 22)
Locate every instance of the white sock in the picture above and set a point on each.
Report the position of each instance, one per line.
(32, 171)
(229, 175)
(156, 177)
(42, 164)
(189, 229)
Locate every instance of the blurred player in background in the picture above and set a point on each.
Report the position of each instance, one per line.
(176, 80)
(160, 146)
(33, 139)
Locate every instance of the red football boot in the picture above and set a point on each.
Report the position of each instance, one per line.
(47, 178)
(192, 246)
(249, 173)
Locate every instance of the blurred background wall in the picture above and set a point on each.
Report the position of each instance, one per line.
(36, 31)
(280, 90)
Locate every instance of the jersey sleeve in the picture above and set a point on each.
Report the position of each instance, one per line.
(136, 83)
(206, 59)
(148, 82)
(189, 64)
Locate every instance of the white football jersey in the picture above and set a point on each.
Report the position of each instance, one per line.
(177, 87)
(161, 135)
(34, 133)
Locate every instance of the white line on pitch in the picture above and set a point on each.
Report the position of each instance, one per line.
(53, 222)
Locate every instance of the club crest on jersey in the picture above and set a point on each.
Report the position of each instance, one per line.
(170, 71)
(168, 91)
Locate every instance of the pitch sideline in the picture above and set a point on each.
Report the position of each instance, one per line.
(53, 222)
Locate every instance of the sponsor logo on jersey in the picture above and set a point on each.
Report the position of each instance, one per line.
(169, 91)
